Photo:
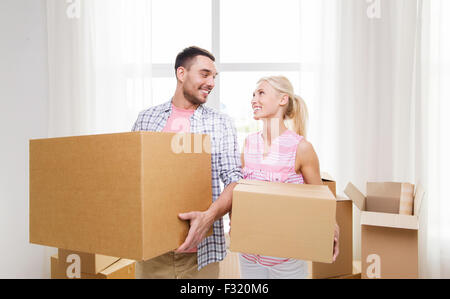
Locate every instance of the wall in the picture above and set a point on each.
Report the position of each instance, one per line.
(23, 116)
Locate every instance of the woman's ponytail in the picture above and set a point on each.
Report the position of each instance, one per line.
(298, 115)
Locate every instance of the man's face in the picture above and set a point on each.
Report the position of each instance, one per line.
(199, 80)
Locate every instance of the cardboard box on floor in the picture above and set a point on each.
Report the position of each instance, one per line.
(90, 263)
(121, 269)
(356, 274)
(344, 218)
(389, 242)
(117, 194)
(283, 220)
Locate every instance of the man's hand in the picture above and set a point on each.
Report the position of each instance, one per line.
(336, 243)
(200, 224)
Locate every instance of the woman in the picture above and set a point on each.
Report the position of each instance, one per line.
(278, 154)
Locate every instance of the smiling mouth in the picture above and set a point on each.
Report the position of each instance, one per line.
(205, 92)
(256, 109)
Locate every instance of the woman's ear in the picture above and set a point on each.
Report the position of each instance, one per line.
(284, 100)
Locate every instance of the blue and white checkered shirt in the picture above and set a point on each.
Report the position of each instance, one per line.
(225, 162)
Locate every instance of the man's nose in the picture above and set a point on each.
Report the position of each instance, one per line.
(211, 83)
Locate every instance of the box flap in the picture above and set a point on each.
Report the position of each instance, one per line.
(384, 189)
(356, 196)
(283, 189)
(420, 194)
(326, 177)
(341, 198)
(389, 220)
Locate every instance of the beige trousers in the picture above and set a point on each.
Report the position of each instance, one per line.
(175, 266)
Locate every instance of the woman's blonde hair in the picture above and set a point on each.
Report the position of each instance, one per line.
(296, 110)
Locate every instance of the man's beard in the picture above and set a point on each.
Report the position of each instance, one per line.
(192, 98)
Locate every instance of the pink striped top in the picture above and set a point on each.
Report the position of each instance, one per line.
(277, 166)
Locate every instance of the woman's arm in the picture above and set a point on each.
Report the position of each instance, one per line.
(242, 153)
(307, 163)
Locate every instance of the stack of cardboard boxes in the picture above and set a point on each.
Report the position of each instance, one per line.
(72, 264)
(294, 221)
(343, 266)
(117, 194)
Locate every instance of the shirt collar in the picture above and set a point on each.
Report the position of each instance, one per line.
(201, 110)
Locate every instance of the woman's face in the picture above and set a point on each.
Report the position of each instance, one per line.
(267, 102)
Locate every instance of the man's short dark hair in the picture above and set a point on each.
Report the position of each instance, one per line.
(185, 58)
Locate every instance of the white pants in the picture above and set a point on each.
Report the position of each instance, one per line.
(292, 269)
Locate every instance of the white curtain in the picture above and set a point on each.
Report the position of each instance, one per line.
(99, 64)
(433, 136)
(392, 106)
(376, 48)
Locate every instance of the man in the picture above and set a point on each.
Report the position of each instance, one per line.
(198, 256)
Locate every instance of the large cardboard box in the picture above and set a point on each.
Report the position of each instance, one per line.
(117, 194)
(283, 220)
(90, 263)
(343, 264)
(389, 242)
(121, 269)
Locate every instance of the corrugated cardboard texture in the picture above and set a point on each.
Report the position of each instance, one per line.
(179, 186)
(83, 190)
(343, 263)
(406, 199)
(383, 197)
(397, 250)
(90, 263)
(121, 269)
(284, 220)
(115, 194)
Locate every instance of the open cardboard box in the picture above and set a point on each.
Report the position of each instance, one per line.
(283, 220)
(117, 194)
(389, 242)
(90, 263)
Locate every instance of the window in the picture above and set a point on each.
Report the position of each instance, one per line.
(246, 47)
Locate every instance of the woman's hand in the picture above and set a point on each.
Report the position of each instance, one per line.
(336, 243)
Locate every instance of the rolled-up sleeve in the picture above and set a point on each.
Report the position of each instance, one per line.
(229, 155)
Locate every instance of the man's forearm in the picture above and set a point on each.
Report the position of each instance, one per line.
(223, 204)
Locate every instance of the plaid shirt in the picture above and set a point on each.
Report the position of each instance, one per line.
(225, 162)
